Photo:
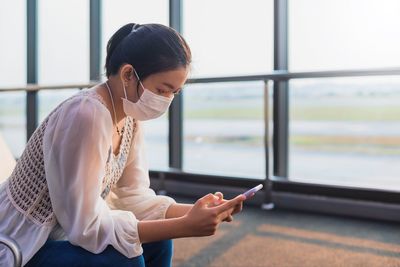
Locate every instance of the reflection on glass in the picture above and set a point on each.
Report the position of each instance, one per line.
(156, 140)
(346, 131)
(13, 121)
(224, 129)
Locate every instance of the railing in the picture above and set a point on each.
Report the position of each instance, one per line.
(36, 87)
(275, 76)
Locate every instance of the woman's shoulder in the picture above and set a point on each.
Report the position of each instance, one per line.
(86, 106)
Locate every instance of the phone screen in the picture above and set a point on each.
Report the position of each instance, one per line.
(251, 192)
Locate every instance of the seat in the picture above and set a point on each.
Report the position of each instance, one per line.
(7, 160)
(7, 165)
(13, 246)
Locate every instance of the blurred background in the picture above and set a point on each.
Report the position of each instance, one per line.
(302, 96)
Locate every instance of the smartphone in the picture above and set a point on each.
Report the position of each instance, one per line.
(251, 192)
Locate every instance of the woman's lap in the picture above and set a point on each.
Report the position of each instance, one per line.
(63, 253)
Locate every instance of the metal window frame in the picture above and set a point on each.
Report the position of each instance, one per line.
(175, 114)
(281, 88)
(95, 39)
(32, 113)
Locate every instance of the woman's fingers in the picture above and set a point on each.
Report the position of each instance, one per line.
(207, 199)
(228, 218)
(230, 204)
(238, 208)
(220, 198)
(219, 195)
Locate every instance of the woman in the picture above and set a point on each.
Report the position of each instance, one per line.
(79, 195)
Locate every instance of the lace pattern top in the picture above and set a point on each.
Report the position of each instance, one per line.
(69, 179)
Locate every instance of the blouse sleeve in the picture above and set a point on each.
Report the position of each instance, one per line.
(75, 147)
(132, 192)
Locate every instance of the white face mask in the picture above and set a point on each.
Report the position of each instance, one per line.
(149, 106)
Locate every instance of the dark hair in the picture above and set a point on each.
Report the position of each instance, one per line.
(149, 48)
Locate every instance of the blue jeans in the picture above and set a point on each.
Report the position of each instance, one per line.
(63, 254)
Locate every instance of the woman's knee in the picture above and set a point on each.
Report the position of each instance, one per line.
(63, 253)
(112, 256)
(160, 251)
(167, 247)
(164, 247)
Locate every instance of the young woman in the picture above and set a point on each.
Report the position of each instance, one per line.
(79, 195)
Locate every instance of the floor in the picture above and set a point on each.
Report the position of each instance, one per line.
(258, 238)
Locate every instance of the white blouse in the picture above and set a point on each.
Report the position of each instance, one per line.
(68, 184)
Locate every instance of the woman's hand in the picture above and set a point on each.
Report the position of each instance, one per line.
(202, 219)
(229, 214)
(205, 216)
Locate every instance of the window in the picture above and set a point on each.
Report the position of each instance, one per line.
(343, 34)
(156, 136)
(63, 39)
(115, 15)
(224, 129)
(13, 73)
(228, 37)
(345, 131)
(13, 44)
(50, 99)
(13, 121)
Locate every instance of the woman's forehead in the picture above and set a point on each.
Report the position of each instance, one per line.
(176, 78)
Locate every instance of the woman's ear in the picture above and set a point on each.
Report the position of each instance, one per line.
(126, 73)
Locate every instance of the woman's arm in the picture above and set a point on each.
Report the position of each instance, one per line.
(200, 220)
(75, 146)
(177, 210)
(132, 192)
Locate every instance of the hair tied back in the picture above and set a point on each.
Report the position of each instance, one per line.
(135, 27)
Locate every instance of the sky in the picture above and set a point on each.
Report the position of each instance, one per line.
(227, 37)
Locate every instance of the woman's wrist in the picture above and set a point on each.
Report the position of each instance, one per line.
(177, 210)
(156, 230)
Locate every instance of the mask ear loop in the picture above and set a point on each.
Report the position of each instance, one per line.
(123, 86)
(139, 82)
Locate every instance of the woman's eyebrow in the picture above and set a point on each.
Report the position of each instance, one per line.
(171, 87)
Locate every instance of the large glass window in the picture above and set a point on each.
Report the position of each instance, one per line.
(156, 136)
(13, 73)
(343, 34)
(63, 38)
(229, 37)
(13, 121)
(13, 43)
(50, 99)
(115, 14)
(224, 129)
(346, 131)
